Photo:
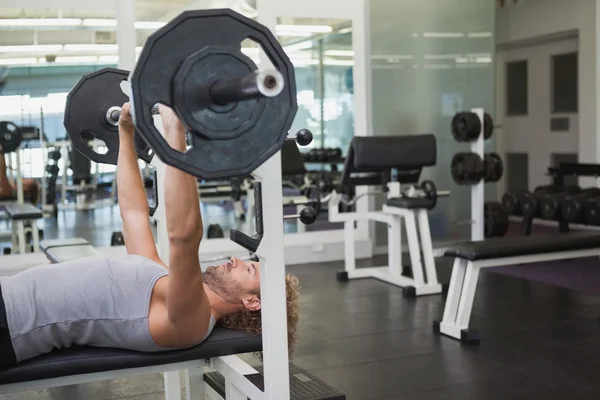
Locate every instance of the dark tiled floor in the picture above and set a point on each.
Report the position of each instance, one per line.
(363, 337)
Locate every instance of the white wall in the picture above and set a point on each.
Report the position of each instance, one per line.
(541, 20)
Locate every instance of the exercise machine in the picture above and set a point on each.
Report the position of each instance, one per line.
(369, 162)
(209, 157)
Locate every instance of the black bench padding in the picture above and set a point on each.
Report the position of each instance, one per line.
(63, 250)
(86, 360)
(523, 245)
(410, 202)
(23, 211)
(378, 153)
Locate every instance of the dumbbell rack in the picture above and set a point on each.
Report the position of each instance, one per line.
(477, 168)
(478, 190)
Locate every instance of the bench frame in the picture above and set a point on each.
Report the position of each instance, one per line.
(424, 281)
(231, 367)
(463, 284)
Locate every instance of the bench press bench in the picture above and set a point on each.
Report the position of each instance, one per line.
(80, 364)
(471, 257)
(23, 218)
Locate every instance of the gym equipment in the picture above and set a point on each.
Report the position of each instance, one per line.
(572, 207)
(495, 220)
(10, 137)
(214, 231)
(24, 217)
(304, 137)
(226, 105)
(90, 110)
(466, 126)
(471, 257)
(511, 202)
(493, 167)
(52, 169)
(369, 162)
(550, 203)
(54, 155)
(117, 239)
(307, 216)
(426, 191)
(530, 202)
(591, 210)
(467, 168)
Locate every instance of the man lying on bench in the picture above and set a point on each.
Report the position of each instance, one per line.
(137, 302)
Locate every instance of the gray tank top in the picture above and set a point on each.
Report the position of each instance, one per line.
(93, 301)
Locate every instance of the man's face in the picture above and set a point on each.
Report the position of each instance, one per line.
(236, 282)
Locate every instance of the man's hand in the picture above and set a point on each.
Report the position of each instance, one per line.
(126, 127)
(173, 128)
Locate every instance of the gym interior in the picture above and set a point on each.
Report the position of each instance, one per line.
(426, 169)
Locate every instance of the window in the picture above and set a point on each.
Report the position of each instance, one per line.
(565, 82)
(516, 88)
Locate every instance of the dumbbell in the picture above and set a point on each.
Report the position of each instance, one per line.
(52, 169)
(530, 202)
(511, 202)
(572, 207)
(591, 210)
(550, 204)
(54, 155)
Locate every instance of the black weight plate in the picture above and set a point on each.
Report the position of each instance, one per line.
(592, 211)
(488, 126)
(214, 122)
(466, 126)
(10, 137)
(494, 167)
(85, 115)
(496, 220)
(430, 192)
(152, 82)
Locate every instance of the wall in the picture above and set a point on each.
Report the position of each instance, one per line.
(536, 21)
(530, 134)
(429, 60)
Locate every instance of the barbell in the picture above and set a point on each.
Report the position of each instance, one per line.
(236, 115)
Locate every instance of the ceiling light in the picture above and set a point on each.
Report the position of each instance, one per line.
(40, 48)
(299, 62)
(292, 33)
(75, 60)
(441, 56)
(479, 34)
(108, 59)
(338, 62)
(90, 47)
(304, 28)
(443, 35)
(99, 22)
(18, 61)
(345, 30)
(483, 60)
(149, 24)
(40, 22)
(339, 53)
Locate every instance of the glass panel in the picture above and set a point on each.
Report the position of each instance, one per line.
(321, 51)
(429, 60)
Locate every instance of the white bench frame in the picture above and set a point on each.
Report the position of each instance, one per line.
(425, 280)
(463, 283)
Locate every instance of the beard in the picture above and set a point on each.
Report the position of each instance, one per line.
(220, 281)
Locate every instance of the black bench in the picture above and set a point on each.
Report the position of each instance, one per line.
(470, 257)
(23, 217)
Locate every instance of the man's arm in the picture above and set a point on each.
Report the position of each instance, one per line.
(185, 291)
(133, 202)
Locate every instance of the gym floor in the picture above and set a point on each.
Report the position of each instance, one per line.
(364, 338)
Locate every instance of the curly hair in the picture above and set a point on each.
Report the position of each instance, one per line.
(250, 321)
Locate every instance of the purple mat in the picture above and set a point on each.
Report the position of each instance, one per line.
(581, 274)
